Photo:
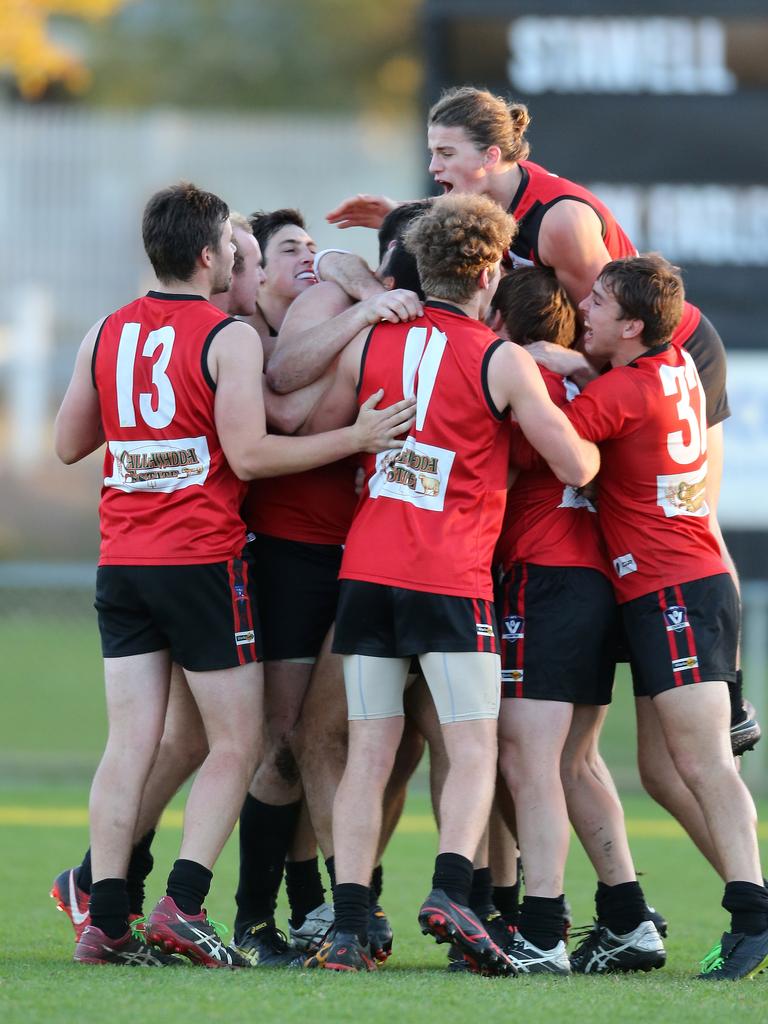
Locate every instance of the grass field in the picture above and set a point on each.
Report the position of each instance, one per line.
(51, 733)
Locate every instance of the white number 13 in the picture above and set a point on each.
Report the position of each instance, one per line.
(162, 415)
(681, 380)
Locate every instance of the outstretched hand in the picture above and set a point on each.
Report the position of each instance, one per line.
(361, 211)
(393, 306)
(379, 429)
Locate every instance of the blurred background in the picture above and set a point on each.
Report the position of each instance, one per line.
(661, 109)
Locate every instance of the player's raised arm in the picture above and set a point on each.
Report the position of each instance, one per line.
(571, 243)
(78, 430)
(235, 362)
(515, 381)
(361, 211)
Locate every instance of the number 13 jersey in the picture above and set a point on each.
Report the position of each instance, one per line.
(169, 496)
(649, 418)
(430, 513)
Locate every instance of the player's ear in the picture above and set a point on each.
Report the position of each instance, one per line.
(206, 256)
(492, 157)
(632, 329)
(484, 280)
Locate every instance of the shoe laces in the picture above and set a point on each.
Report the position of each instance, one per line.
(137, 928)
(714, 959)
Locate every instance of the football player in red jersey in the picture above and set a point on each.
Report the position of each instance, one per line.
(416, 569)
(184, 426)
(679, 606)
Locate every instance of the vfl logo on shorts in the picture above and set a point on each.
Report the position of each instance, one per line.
(484, 629)
(624, 565)
(247, 636)
(514, 628)
(676, 618)
(240, 592)
(684, 664)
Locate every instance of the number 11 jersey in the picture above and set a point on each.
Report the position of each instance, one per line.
(430, 513)
(649, 418)
(169, 496)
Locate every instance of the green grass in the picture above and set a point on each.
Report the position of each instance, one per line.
(51, 734)
(39, 983)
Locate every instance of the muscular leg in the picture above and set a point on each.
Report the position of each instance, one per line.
(531, 738)
(421, 709)
(409, 754)
(593, 807)
(696, 724)
(137, 696)
(230, 704)
(662, 780)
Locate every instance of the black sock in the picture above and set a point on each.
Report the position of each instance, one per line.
(304, 887)
(330, 867)
(542, 920)
(83, 873)
(453, 874)
(621, 908)
(188, 885)
(109, 906)
(139, 867)
(377, 884)
(736, 695)
(351, 904)
(266, 832)
(481, 893)
(747, 904)
(506, 898)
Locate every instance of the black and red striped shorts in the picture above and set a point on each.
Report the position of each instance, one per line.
(205, 615)
(683, 634)
(558, 628)
(392, 622)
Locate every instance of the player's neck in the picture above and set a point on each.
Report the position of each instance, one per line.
(194, 286)
(502, 186)
(471, 308)
(272, 309)
(628, 353)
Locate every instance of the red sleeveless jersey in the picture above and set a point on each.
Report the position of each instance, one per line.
(547, 522)
(430, 513)
(315, 507)
(538, 192)
(649, 419)
(169, 495)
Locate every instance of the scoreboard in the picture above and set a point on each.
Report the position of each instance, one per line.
(661, 108)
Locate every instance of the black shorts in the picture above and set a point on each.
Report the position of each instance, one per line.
(683, 634)
(392, 622)
(204, 614)
(297, 587)
(558, 634)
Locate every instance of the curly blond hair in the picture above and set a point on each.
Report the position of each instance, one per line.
(455, 240)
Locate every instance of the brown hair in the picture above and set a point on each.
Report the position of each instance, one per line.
(265, 225)
(535, 307)
(647, 288)
(237, 220)
(488, 120)
(455, 240)
(178, 223)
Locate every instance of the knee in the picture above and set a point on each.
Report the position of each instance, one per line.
(188, 752)
(408, 756)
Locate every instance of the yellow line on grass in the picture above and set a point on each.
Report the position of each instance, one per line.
(410, 824)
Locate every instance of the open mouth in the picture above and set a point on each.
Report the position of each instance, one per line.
(306, 275)
(446, 186)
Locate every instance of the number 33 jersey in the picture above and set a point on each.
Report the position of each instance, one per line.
(649, 418)
(430, 513)
(169, 496)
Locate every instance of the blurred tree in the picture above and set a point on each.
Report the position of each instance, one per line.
(270, 54)
(29, 53)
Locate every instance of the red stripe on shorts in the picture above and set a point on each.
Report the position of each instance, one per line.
(235, 608)
(671, 638)
(689, 637)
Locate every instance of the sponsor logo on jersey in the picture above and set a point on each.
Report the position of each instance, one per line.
(514, 628)
(683, 494)
(418, 473)
(683, 664)
(676, 618)
(246, 636)
(484, 629)
(166, 465)
(625, 564)
(512, 675)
